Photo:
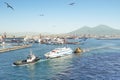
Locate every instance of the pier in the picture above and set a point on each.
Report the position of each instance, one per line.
(14, 48)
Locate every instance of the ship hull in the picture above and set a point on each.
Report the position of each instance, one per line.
(23, 62)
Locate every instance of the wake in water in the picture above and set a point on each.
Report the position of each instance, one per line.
(116, 48)
(95, 48)
(101, 47)
(42, 60)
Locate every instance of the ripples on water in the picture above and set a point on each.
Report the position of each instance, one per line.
(100, 61)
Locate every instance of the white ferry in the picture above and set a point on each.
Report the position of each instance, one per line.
(59, 52)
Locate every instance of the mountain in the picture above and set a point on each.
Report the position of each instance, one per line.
(98, 30)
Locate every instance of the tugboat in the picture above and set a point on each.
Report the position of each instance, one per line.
(30, 59)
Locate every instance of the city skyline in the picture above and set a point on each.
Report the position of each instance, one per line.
(57, 16)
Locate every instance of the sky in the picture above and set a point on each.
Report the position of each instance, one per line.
(57, 16)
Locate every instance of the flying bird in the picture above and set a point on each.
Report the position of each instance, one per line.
(41, 14)
(71, 4)
(9, 6)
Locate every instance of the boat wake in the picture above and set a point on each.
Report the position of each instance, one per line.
(42, 60)
(115, 48)
(101, 47)
(13, 65)
(91, 49)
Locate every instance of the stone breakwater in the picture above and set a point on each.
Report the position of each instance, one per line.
(14, 48)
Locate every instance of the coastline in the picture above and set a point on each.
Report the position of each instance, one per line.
(14, 48)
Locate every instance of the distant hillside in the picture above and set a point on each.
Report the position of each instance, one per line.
(98, 30)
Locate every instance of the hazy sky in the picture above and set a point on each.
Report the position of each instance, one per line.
(56, 16)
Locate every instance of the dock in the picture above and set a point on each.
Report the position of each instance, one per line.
(14, 48)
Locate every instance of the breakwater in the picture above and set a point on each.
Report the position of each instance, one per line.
(14, 48)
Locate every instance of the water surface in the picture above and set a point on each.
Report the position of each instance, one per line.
(101, 61)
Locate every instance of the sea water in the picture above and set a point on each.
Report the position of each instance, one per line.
(99, 61)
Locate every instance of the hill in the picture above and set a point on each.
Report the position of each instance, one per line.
(98, 30)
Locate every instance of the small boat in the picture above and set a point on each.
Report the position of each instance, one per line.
(78, 50)
(59, 52)
(30, 59)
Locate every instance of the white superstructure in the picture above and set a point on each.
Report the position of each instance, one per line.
(31, 58)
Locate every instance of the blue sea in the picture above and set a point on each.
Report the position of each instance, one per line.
(100, 61)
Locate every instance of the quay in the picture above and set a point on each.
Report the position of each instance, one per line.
(14, 48)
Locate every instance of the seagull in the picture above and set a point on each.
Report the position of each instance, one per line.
(71, 4)
(41, 14)
(9, 6)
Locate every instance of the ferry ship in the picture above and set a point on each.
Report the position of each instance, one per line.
(59, 52)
